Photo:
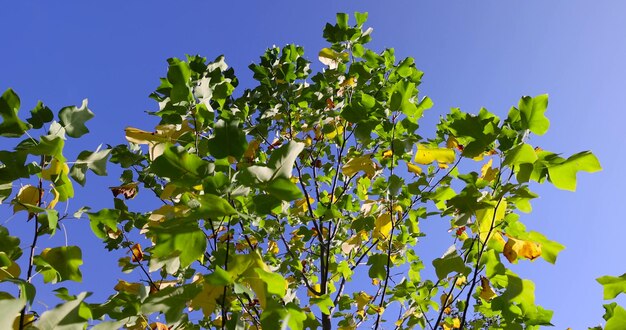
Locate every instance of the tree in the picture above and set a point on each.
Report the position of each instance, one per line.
(294, 204)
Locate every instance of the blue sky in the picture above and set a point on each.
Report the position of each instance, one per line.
(483, 53)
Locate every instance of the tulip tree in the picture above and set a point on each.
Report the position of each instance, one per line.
(295, 204)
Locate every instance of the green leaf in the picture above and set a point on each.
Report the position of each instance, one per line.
(73, 119)
(104, 218)
(283, 159)
(563, 175)
(170, 301)
(40, 115)
(180, 166)
(9, 244)
(613, 285)
(274, 282)
(176, 238)
(179, 75)
(377, 264)
(277, 316)
(283, 189)
(219, 277)
(522, 154)
(10, 310)
(64, 317)
(532, 113)
(11, 125)
(49, 145)
(212, 206)
(617, 320)
(95, 161)
(14, 167)
(449, 263)
(549, 249)
(229, 140)
(27, 290)
(59, 264)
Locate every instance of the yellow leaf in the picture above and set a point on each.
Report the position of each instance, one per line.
(456, 323)
(487, 173)
(28, 195)
(363, 163)
(207, 298)
(452, 143)
(28, 320)
(446, 300)
(426, 155)
(168, 212)
(338, 130)
(137, 253)
(54, 200)
(350, 82)
(362, 299)
(11, 271)
(158, 326)
(460, 280)
(168, 190)
(250, 152)
(486, 291)
(382, 226)
(308, 141)
(123, 286)
(317, 287)
(351, 243)
(517, 248)
(272, 247)
(331, 58)
(301, 206)
(55, 169)
(139, 136)
(414, 168)
(485, 217)
(387, 153)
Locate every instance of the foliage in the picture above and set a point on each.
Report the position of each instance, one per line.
(294, 204)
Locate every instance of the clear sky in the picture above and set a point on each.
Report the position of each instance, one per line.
(478, 53)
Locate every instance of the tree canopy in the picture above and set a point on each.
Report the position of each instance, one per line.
(295, 203)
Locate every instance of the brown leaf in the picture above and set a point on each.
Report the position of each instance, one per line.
(128, 190)
(137, 253)
(158, 326)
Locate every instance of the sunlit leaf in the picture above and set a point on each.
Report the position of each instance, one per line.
(426, 155)
(363, 163)
(532, 113)
(129, 190)
(563, 175)
(65, 316)
(382, 226)
(59, 264)
(11, 125)
(613, 285)
(73, 119)
(10, 311)
(28, 195)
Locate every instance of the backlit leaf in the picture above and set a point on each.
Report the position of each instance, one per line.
(28, 195)
(517, 248)
(563, 175)
(532, 113)
(363, 163)
(382, 226)
(426, 155)
(613, 285)
(60, 264)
